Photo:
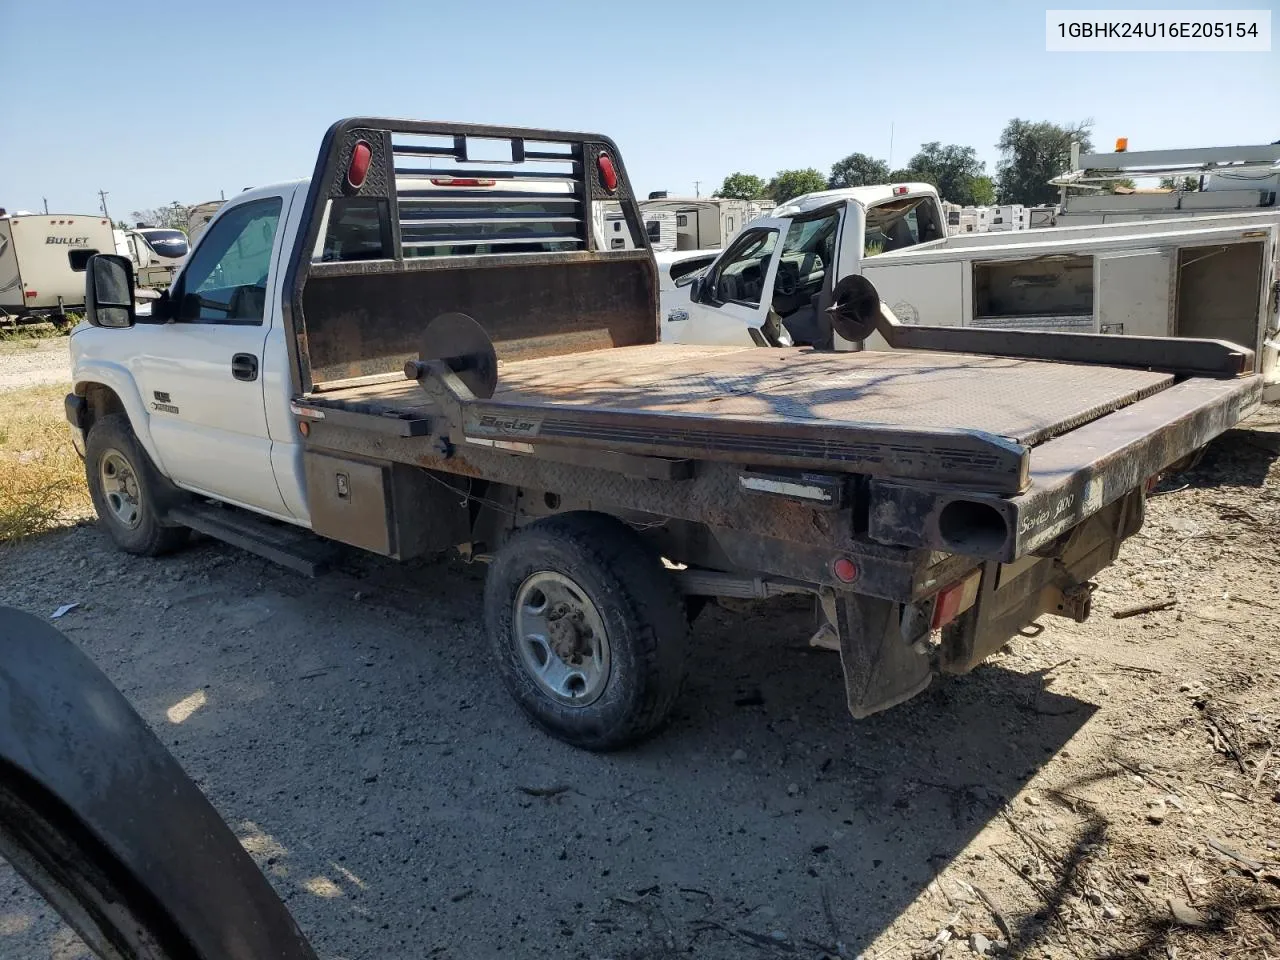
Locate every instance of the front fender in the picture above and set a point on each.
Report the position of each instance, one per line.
(118, 378)
(102, 820)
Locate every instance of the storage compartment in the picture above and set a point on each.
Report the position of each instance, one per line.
(1056, 286)
(387, 508)
(1219, 292)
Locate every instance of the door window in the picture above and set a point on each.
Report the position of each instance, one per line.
(226, 279)
(741, 278)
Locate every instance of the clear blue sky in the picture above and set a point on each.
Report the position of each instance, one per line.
(157, 102)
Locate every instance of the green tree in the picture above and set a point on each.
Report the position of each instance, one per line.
(1186, 184)
(1032, 154)
(741, 186)
(952, 169)
(857, 170)
(789, 184)
(983, 191)
(174, 216)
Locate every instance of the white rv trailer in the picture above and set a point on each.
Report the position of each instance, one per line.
(707, 223)
(42, 261)
(199, 218)
(660, 225)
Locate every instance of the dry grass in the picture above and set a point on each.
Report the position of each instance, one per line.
(41, 477)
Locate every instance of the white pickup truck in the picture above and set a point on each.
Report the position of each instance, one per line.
(403, 356)
(1214, 276)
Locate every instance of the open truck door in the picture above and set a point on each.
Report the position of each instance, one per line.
(730, 303)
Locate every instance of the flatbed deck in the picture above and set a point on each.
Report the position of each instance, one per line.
(669, 399)
(1025, 401)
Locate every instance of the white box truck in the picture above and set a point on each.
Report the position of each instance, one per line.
(42, 261)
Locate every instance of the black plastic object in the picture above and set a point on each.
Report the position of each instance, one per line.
(461, 344)
(855, 308)
(104, 823)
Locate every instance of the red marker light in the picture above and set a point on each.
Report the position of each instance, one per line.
(463, 182)
(32, 293)
(899, 191)
(358, 169)
(955, 599)
(608, 173)
(846, 570)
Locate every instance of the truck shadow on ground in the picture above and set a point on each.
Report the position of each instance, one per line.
(352, 731)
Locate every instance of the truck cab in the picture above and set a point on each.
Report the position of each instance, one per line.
(206, 383)
(777, 277)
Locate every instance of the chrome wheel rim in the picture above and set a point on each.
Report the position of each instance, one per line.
(120, 489)
(561, 638)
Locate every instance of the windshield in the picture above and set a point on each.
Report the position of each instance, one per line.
(166, 243)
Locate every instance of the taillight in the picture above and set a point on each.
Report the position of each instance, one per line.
(899, 191)
(463, 182)
(358, 169)
(955, 599)
(608, 173)
(32, 293)
(846, 570)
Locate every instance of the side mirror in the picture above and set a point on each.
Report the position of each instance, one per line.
(108, 291)
(695, 289)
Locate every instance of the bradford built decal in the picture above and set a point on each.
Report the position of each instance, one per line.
(68, 241)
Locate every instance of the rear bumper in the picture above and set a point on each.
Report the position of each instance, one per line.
(76, 407)
(1072, 477)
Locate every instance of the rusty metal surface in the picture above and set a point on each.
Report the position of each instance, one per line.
(766, 535)
(371, 322)
(948, 418)
(1024, 401)
(1179, 355)
(1075, 476)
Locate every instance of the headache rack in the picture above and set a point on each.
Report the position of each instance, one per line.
(413, 216)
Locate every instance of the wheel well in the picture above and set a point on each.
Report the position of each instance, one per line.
(100, 401)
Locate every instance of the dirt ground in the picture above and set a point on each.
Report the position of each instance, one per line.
(29, 363)
(1098, 790)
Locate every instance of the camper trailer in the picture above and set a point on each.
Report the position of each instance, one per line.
(706, 223)
(659, 226)
(42, 261)
(155, 252)
(199, 218)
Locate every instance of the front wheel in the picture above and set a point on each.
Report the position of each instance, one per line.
(588, 629)
(127, 490)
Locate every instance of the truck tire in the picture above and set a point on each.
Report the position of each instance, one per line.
(588, 630)
(128, 493)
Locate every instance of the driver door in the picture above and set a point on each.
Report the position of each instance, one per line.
(201, 375)
(737, 291)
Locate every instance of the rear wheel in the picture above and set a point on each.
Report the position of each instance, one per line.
(588, 629)
(128, 493)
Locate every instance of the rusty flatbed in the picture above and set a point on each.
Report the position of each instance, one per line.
(945, 417)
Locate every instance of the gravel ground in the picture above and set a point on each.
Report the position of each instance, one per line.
(30, 363)
(352, 732)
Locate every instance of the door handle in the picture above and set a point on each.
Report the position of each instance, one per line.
(244, 366)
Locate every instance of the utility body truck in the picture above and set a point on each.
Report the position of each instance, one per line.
(386, 357)
(1214, 276)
